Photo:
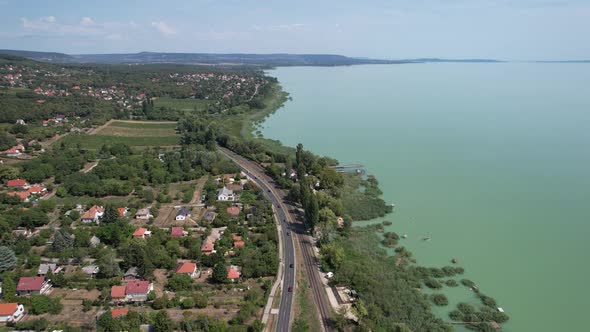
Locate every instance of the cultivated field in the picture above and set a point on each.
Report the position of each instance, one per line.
(132, 133)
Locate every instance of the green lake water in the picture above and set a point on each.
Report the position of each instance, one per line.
(492, 161)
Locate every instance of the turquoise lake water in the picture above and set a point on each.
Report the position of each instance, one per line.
(492, 161)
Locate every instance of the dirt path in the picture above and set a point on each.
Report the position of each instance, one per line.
(198, 189)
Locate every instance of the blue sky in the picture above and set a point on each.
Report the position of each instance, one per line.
(392, 29)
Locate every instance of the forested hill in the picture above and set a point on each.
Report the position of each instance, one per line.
(281, 59)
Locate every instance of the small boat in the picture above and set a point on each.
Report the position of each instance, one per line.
(455, 261)
(426, 239)
(500, 309)
(405, 236)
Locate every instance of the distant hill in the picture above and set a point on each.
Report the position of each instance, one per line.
(266, 60)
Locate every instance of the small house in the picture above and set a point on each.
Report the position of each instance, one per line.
(93, 214)
(225, 195)
(118, 294)
(143, 214)
(233, 273)
(141, 233)
(208, 247)
(11, 312)
(188, 268)
(137, 291)
(131, 274)
(90, 271)
(20, 184)
(116, 313)
(233, 211)
(182, 214)
(122, 211)
(45, 268)
(33, 285)
(209, 216)
(177, 232)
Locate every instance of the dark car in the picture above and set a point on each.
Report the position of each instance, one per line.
(290, 289)
(291, 265)
(288, 233)
(279, 206)
(268, 190)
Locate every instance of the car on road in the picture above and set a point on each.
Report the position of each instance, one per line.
(291, 265)
(329, 275)
(288, 233)
(290, 289)
(268, 190)
(279, 206)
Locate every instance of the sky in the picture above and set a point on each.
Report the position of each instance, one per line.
(385, 29)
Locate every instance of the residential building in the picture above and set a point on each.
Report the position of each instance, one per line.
(90, 271)
(233, 273)
(122, 211)
(118, 294)
(116, 313)
(143, 214)
(188, 268)
(93, 214)
(11, 312)
(20, 184)
(33, 285)
(131, 274)
(208, 247)
(141, 233)
(225, 195)
(137, 291)
(178, 232)
(234, 211)
(182, 214)
(45, 268)
(209, 216)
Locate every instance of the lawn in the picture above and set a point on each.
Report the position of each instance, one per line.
(182, 104)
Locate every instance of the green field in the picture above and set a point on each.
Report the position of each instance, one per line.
(135, 134)
(182, 104)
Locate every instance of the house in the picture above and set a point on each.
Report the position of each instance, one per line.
(131, 274)
(37, 190)
(118, 294)
(182, 214)
(122, 211)
(188, 268)
(239, 243)
(20, 184)
(137, 291)
(234, 211)
(21, 231)
(141, 233)
(233, 273)
(90, 271)
(22, 195)
(178, 232)
(33, 285)
(225, 195)
(15, 151)
(45, 268)
(115, 313)
(21, 122)
(11, 312)
(208, 247)
(143, 214)
(93, 214)
(94, 241)
(209, 216)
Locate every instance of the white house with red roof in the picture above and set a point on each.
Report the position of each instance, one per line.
(33, 285)
(142, 233)
(15, 151)
(93, 214)
(233, 273)
(11, 312)
(138, 290)
(188, 268)
(20, 184)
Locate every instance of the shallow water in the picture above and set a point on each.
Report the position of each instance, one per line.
(491, 161)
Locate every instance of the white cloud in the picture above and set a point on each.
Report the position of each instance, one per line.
(281, 27)
(87, 21)
(164, 28)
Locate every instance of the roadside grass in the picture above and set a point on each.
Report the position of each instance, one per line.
(182, 104)
(307, 319)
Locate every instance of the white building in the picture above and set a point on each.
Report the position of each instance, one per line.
(11, 312)
(225, 195)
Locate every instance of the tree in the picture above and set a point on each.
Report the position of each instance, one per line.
(7, 259)
(163, 323)
(107, 263)
(110, 214)
(179, 282)
(107, 323)
(62, 241)
(219, 273)
(332, 254)
(8, 288)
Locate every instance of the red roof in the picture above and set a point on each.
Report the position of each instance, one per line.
(136, 287)
(17, 183)
(119, 312)
(233, 210)
(139, 232)
(36, 189)
(122, 211)
(117, 292)
(91, 213)
(186, 267)
(20, 194)
(8, 309)
(232, 272)
(177, 232)
(207, 247)
(239, 243)
(30, 283)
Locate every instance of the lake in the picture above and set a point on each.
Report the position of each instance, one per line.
(491, 161)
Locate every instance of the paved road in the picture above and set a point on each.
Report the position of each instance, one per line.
(297, 231)
(285, 218)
